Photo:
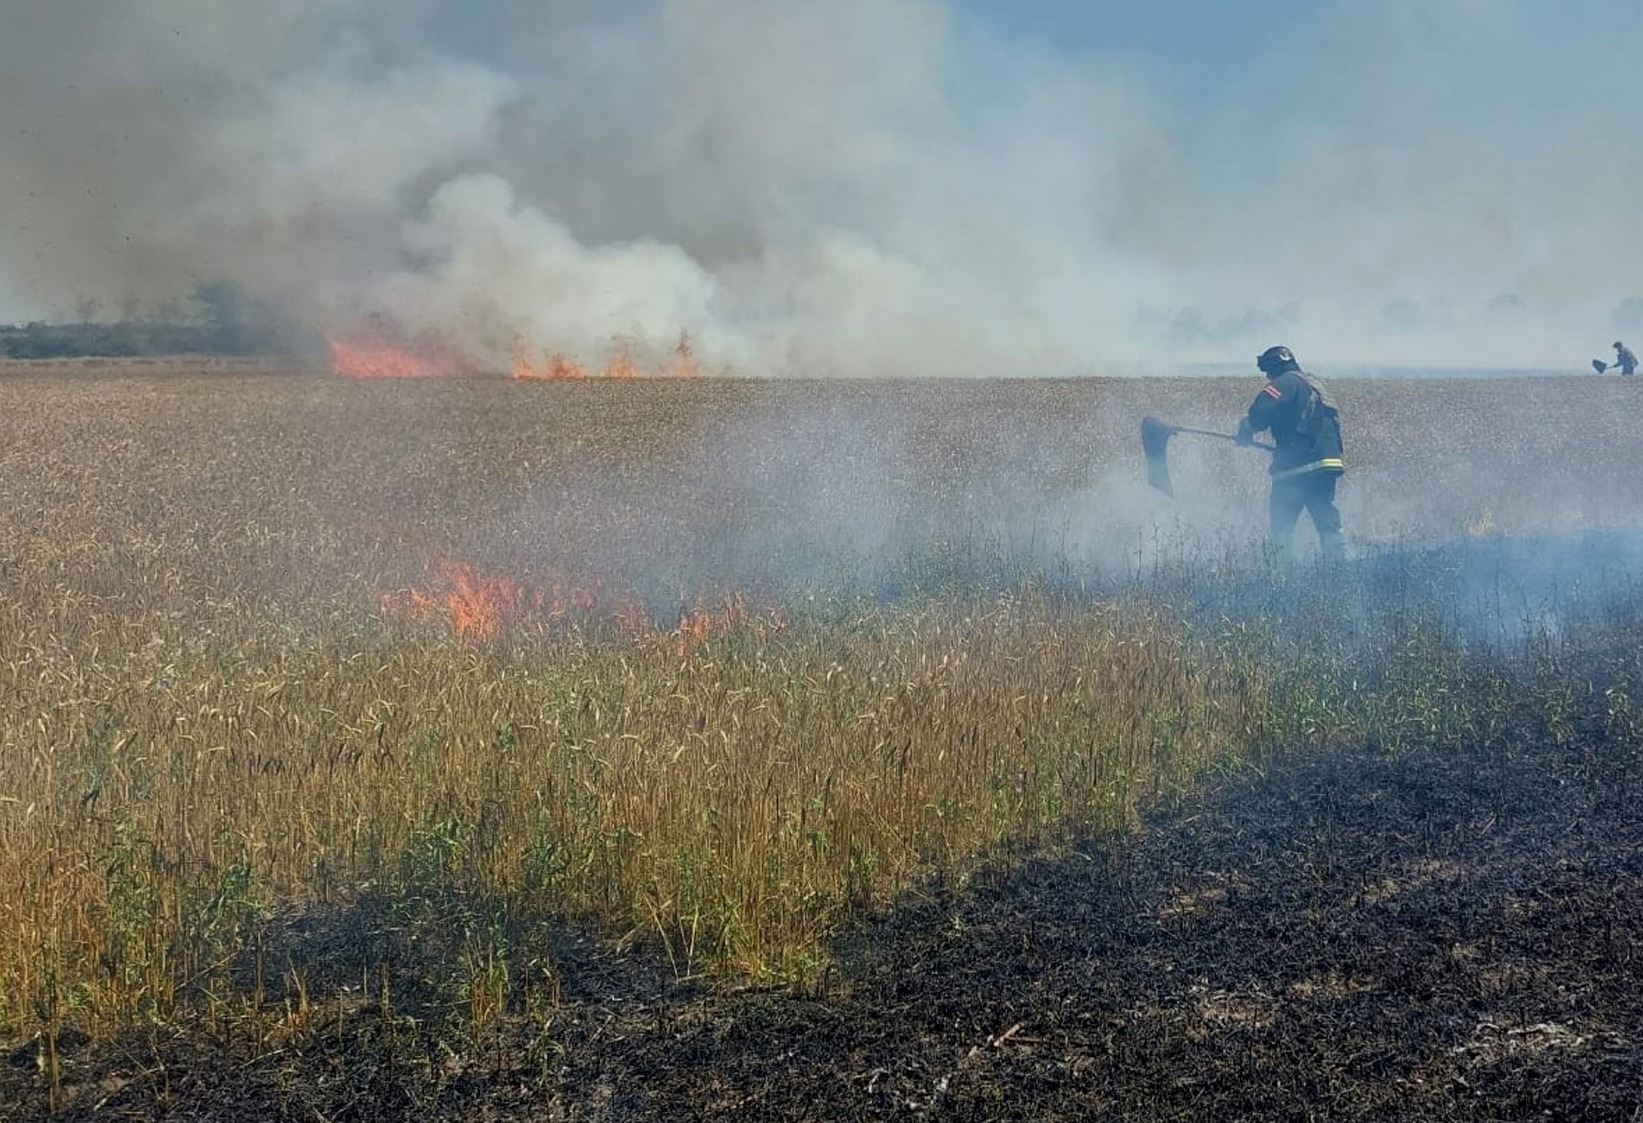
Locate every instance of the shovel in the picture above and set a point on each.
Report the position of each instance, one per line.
(1155, 435)
(1599, 365)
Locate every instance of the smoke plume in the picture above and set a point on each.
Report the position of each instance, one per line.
(855, 187)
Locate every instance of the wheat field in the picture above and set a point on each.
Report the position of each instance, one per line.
(309, 684)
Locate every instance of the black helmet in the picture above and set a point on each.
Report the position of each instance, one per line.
(1276, 360)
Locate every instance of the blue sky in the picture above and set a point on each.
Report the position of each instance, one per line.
(1229, 74)
(848, 185)
(1194, 50)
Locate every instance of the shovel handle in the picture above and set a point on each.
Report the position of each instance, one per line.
(1223, 436)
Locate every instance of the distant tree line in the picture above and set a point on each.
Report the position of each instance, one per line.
(1192, 325)
(220, 318)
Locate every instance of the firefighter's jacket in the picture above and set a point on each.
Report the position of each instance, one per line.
(1303, 423)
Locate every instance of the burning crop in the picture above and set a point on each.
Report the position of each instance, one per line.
(537, 364)
(576, 686)
(355, 360)
(377, 350)
(478, 605)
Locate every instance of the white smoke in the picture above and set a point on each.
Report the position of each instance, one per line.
(858, 187)
(496, 270)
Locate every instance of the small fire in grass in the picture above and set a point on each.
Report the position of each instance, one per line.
(548, 366)
(684, 364)
(708, 619)
(553, 367)
(377, 351)
(480, 605)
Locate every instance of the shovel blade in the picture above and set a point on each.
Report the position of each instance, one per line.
(1599, 365)
(1158, 475)
(1155, 437)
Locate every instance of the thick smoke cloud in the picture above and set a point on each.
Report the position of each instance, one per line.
(860, 187)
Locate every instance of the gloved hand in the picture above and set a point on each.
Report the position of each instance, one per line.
(1246, 435)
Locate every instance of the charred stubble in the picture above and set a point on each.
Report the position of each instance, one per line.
(750, 664)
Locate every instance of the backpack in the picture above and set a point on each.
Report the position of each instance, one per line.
(1318, 421)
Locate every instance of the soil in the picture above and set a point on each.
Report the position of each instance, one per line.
(1340, 936)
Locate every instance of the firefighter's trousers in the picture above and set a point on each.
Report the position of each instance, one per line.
(1314, 493)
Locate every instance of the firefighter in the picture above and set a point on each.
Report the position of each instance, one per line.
(1307, 462)
(1624, 359)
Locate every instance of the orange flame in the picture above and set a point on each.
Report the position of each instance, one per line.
(553, 368)
(352, 361)
(377, 351)
(684, 359)
(706, 621)
(621, 363)
(556, 365)
(479, 606)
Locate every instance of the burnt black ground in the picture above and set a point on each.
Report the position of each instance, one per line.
(1343, 935)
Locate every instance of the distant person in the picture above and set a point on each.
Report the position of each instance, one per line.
(1307, 462)
(1624, 359)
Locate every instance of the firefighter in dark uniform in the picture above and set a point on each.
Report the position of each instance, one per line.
(1624, 359)
(1307, 462)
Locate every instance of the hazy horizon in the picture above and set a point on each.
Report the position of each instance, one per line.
(854, 187)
